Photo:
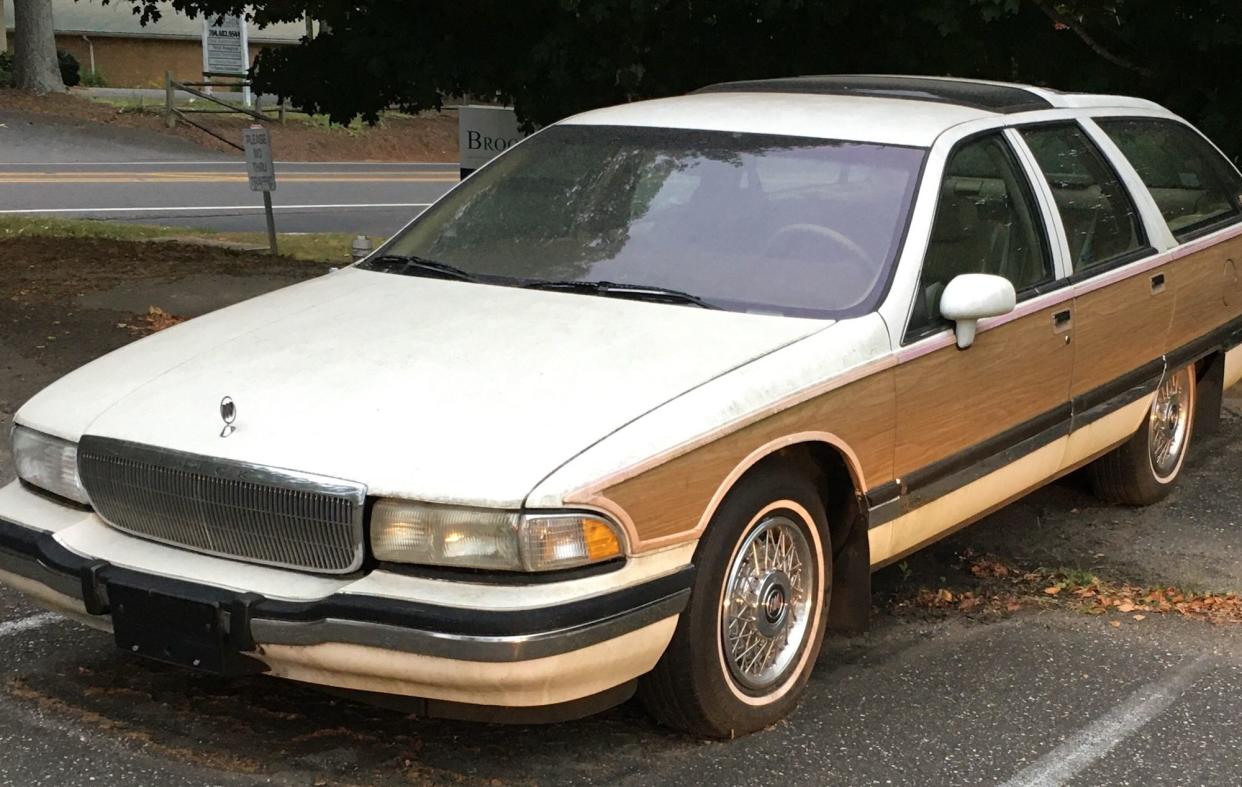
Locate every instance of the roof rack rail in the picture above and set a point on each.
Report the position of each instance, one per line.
(989, 96)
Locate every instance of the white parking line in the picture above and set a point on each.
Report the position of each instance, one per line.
(1097, 739)
(9, 628)
(189, 208)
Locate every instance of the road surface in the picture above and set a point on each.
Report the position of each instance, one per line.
(375, 199)
(126, 175)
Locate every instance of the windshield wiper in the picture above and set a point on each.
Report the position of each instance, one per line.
(638, 292)
(411, 265)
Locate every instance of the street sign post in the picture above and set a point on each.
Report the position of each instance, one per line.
(262, 171)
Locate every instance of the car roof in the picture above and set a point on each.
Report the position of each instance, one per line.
(896, 110)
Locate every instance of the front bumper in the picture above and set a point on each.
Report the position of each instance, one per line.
(535, 656)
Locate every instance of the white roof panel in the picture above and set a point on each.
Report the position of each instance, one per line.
(852, 118)
(1099, 101)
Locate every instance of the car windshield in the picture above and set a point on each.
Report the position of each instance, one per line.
(746, 222)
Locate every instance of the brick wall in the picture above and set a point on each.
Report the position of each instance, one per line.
(139, 62)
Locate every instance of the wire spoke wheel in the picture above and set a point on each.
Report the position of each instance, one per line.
(767, 603)
(1169, 428)
(746, 644)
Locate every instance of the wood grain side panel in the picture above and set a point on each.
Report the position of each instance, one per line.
(1120, 327)
(951, 399)
(1207, 292)
(673, 500)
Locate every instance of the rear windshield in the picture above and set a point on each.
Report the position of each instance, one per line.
(746, 222)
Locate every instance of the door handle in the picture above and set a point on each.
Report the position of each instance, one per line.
(1157, 284)
(1062, 321)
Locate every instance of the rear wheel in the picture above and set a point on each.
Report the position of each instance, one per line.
(744, 647)
(1143, 469)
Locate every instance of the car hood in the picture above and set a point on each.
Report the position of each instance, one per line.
(422, 388)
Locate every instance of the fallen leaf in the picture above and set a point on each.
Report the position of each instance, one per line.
(1115, 624)
(154, 321)
(1125, 607)
(1052, 591)
(1140, 617)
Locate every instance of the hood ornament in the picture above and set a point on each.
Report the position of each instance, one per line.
(228, 414)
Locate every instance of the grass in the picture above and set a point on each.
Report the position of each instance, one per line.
(1077, 577)
(155, 106)
(331, 247)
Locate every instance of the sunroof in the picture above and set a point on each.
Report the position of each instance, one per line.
(993, 98)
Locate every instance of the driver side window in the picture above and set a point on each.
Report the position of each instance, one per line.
(986, 222)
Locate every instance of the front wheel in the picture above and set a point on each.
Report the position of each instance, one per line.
(1143, 470)
(744, 647)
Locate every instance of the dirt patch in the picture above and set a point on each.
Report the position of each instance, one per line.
(37, 271)
(429, 137)
(67, 301)
(986, 586)
(58, 301)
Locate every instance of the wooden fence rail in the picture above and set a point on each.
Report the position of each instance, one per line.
(172, 112)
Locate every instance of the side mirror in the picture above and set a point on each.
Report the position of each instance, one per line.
(970, 297)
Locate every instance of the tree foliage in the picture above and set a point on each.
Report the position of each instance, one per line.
(551, 58)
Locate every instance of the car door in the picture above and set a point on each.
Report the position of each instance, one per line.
(978, 427)
(1197, 193)
(1122, 304)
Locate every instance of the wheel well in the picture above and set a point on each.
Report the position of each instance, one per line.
(830, 471)
(1210, 374)
(1204, 364)
(849, 606)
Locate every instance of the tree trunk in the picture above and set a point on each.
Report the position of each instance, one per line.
(4, 34)
(34, 48)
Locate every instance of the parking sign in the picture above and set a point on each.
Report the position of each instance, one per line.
(258, 144)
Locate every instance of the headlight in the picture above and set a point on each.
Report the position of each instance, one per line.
(434, 535)
(48, 463)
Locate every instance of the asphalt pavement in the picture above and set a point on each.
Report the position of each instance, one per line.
(1044, 698)
(1047, 695)
(125, 175)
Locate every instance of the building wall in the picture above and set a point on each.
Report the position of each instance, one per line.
(139, 62)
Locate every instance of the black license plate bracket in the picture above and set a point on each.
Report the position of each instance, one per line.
(175, 630)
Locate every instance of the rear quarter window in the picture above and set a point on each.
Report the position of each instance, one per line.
(1196, 188)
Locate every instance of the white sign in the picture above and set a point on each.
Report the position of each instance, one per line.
(483, 133)
(258, 144)
(226, 46)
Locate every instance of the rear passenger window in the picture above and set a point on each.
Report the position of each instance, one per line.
(985, 223)
(1194, 186)
(1101, 222)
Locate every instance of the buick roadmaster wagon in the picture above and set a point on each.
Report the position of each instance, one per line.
(640, 405)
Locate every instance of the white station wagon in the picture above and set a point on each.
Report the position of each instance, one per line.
(642, 403)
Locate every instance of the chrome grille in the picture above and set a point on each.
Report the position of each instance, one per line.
(231, 509)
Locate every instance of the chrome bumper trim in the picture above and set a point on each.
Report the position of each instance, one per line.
(462, 646)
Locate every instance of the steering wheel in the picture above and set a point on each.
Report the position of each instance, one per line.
(852, 253)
